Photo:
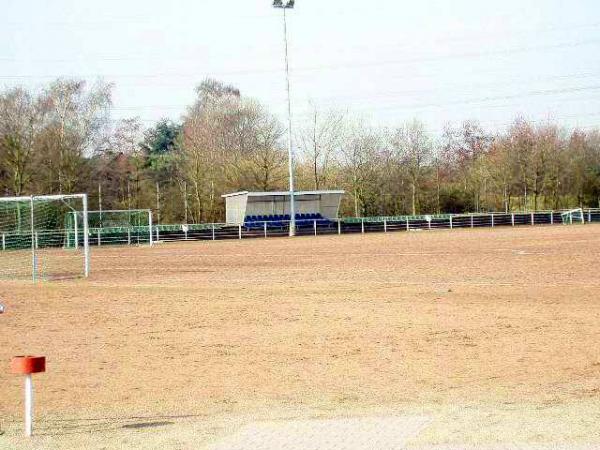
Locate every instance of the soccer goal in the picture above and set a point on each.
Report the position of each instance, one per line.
(573, 216)
(128, 226)
(38, 240)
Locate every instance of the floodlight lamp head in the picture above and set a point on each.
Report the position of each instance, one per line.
(281, 4)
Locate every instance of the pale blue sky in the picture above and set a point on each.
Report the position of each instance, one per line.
(388, 60)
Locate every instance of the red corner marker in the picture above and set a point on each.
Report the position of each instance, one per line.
(28, 365)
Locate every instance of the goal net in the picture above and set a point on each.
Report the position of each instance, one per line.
(131, 226)
(37, 241)
(573, 216)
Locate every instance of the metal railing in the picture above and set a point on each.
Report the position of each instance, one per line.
(139, 235)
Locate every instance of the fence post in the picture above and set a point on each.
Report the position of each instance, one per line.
(99, 239)
(551, 217)
(157, 234)
(407, 225)
(451, 224)
(512, 219)
(185, 232)
(213, 231)
(339, 226)
(385, 225)
(265, 227)
(532, 219)
(472, 221)
(3, 242)
(129, 236)
(37, 240)
(492, 220)
(589, 216)
(362, 226)
(240, 230)
(315, 226)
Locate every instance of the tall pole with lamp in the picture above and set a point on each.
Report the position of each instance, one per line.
(288, 4)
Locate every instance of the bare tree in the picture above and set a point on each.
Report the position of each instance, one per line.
(319, 141)
(20, 121)
(414, 149)
(76, 120)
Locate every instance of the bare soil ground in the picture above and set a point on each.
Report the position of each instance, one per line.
(492, 333)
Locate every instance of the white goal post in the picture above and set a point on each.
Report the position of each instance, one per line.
(573, 216)
(120, 226)
(37, 237)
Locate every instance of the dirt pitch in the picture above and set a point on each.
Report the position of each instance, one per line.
(494, 334)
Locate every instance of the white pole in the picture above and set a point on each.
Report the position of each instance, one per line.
(240, 230)
(76, 231)
(129, 236)
(315, 226)
(265, 227)
(339, 226)
(290, 150)
(512, 219)
(472, 222)
(407, 225)
(98, 238)
(150, 227)
(551, 217)
(532, 219)
(28, 405)
(385, 225)
(213, 231)
(451, 222)
(362, 226)
(33, 255)
(86, 242)
(589, 216)
(492, 220)
(3, 242)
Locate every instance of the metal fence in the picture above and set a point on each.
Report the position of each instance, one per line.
(170, 233)
(139, 235)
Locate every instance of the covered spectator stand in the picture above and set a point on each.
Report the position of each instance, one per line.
(272, 209)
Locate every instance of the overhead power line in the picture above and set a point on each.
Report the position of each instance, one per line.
(324, 67)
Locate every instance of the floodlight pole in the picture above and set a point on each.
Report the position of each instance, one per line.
(289, 5)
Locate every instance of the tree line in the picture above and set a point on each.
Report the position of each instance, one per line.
(62, 139)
